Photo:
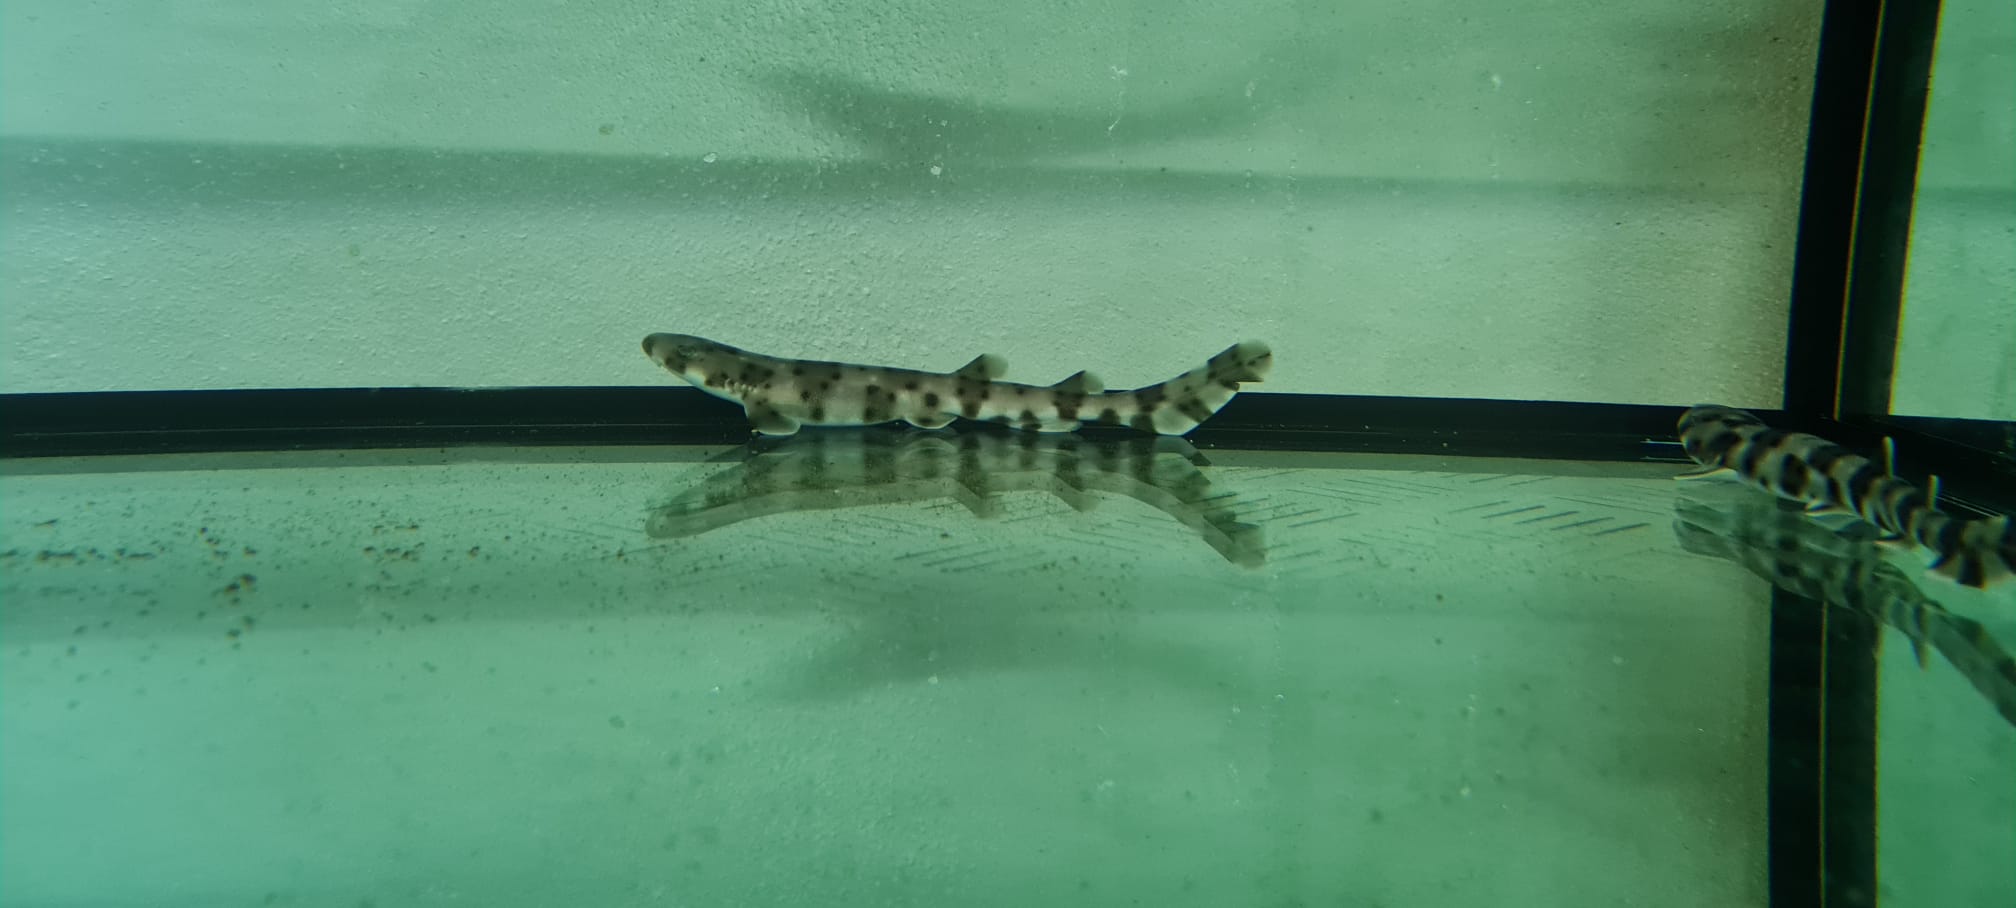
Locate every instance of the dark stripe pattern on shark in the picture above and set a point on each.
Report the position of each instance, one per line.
(1829, 478)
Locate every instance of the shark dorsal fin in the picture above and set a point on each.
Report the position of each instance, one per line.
(985, 367)
(1080, 382)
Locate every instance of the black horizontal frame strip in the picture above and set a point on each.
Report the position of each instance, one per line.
(151, 422)
(1975, 459)
(182, 422)
(157, 422)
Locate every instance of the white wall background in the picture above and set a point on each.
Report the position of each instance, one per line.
(1956, 349)
(1563, 199)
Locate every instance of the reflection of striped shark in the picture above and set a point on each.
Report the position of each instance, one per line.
(779, 395)
(1800, 556)
(841, 469)
(1829, 479)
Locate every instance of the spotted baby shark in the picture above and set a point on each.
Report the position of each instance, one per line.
(780, 395)
(1830, 479)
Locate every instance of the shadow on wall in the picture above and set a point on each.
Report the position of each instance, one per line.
(903, 137)
(916, 129)
(175, 175)
(1753, 71)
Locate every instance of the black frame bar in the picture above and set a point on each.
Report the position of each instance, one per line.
(1821, 795)
(1973, 455)
(1844, 74)
(1898, 94)
(1807, 759)
(161, 422)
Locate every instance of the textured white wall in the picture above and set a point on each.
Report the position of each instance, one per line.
(1568, 199)
(1956, 348)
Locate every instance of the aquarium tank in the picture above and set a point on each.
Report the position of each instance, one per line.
(621, 453)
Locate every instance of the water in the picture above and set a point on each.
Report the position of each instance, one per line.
(693, 675)
(892, 669)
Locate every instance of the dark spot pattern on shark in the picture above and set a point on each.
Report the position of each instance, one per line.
(779, 395)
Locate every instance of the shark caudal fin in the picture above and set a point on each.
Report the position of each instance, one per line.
(1178, 405)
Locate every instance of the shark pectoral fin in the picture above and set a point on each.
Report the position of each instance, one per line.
(985, 367)
(768, 421)
(1703, 472)
(929, 420)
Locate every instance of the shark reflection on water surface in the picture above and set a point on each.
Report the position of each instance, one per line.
(1846, 569)
(857, 467)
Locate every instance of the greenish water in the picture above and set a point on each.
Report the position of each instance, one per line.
(923, 674)
(1046, 676)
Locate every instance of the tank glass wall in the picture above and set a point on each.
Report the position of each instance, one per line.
(1946, 811)
(1956, 352)
(1551, 200)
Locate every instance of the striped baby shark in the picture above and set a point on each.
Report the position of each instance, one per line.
(780, 395)
(1829, 479)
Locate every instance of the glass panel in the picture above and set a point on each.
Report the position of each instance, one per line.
(1946, 720)
(1557, 199)
(1956, 348)
(980, 671)
(1946, 817)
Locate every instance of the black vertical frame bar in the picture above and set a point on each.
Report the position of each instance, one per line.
(1898, 95)
(1848, 752)
(1823, 675)
(1976, 458)
(1794, 795)
(1821, 788)
(1871, 305)
(1844, 73)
